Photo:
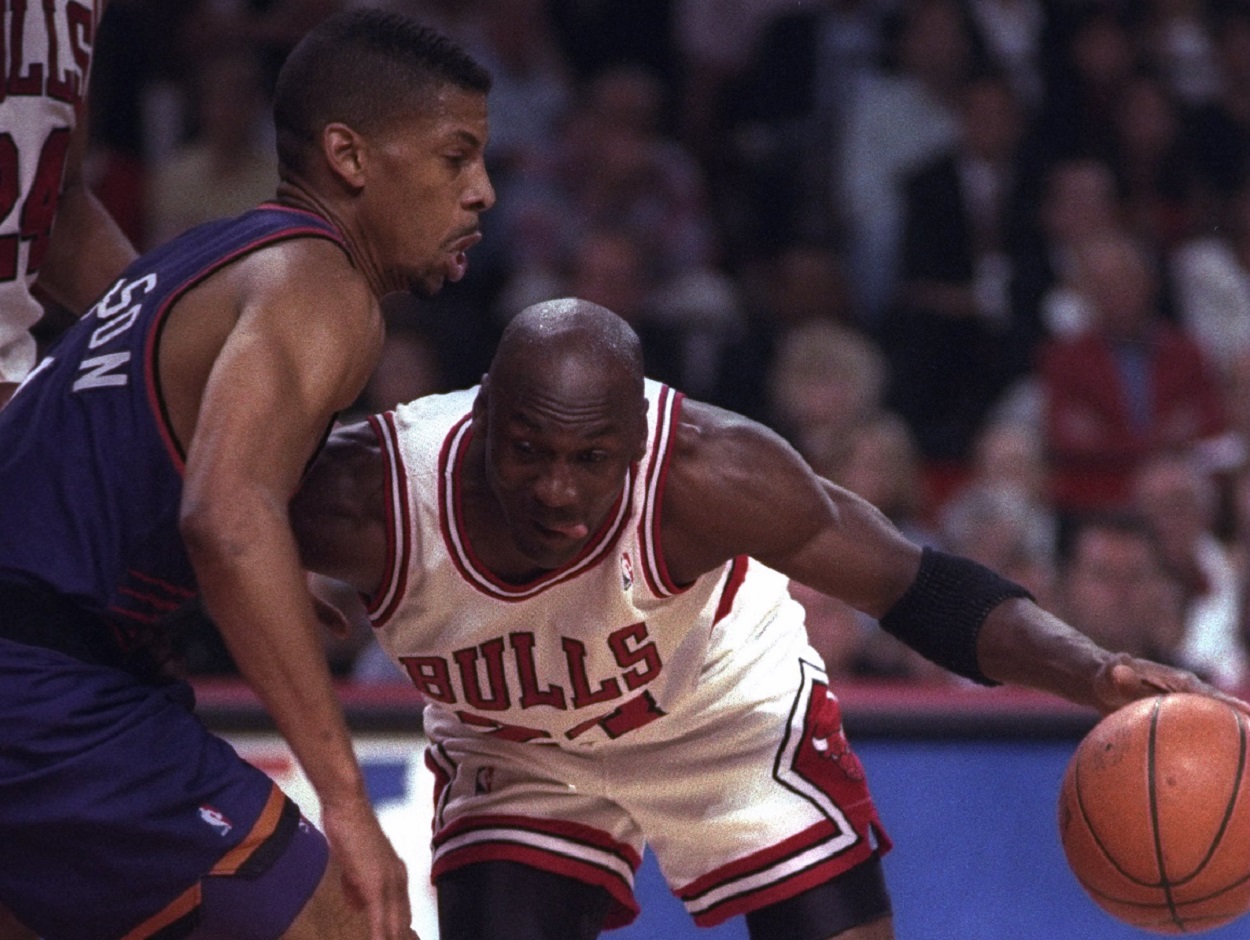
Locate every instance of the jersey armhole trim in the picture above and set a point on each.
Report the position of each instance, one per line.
(382, 604)
(668, 408)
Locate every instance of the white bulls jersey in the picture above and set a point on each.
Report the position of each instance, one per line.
(46, 63)
(583, 655)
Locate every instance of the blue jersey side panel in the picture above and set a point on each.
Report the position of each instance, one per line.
(90, 480)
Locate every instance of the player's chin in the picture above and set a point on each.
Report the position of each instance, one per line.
(427, 285)
(550, 552)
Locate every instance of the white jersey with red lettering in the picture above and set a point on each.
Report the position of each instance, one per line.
(600, 707)
(46, 68)
(583, 654)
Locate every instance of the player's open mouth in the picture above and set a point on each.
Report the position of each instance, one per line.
(459, 262)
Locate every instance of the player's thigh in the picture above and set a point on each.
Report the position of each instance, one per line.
(852, 906)
(878, 930)
(329, 915)
(503, 900)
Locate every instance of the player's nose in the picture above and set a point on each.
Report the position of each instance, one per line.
(555, 487)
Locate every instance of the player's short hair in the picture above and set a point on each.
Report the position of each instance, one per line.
(365, 68)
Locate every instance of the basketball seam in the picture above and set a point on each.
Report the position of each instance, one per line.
(1152, 790)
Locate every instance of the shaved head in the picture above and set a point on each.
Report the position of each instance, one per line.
(550, 338)
(563, 416)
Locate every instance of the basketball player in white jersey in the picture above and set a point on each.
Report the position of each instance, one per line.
(52, 228)
(585, 574)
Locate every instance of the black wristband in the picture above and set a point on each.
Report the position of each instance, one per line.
(941, 614)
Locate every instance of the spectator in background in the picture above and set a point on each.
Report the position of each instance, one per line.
(1211, 280)
(1155, 165)
(1180, 503)
(533, 87)
(966, 322)
(1013, 31)
(1115, 589)
(1079, 203)
(1001, 515)
(1000, 527)
(1220, 127)
(227, 166)
(1179, 42)
(882, 465)
(1131, 386)
(895, 123)
(785, 116)
(798, 283)
(827, 380)
(613, 165)
(1092, 61)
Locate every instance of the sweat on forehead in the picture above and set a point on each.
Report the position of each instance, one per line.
(569, 327)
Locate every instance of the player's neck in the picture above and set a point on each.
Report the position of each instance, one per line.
(296, 195)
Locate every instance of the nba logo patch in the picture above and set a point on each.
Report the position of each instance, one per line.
(627, 573)
(214, 818)
(484, 782)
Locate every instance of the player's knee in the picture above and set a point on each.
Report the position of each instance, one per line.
(329, 915)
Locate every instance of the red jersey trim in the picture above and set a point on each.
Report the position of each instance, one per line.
(624, 907)
(737, 574)
(156, 401)
(566, 848)
(668, 412)
(765, 877)
(381, 606)
(451, 516)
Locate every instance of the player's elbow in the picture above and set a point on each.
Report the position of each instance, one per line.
(218, 531)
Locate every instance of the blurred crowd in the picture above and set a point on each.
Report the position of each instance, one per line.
(985, 262)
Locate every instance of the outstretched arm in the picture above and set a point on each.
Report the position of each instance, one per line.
(735, 487)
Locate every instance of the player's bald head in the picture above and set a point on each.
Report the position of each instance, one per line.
(569, 341)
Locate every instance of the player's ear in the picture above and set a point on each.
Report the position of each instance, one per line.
(480, 402)
(343, 150)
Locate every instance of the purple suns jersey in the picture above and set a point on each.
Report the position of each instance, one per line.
(90, 472)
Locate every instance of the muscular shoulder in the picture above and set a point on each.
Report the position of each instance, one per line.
(313, 273)
(733, 485)
(712, 445)
(311, 305)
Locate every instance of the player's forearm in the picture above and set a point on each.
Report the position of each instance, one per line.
(1021, 644)
(255, 592)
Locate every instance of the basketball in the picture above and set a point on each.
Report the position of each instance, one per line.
(1154, 814)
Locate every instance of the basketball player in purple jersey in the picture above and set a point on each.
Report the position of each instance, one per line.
(52, 228)
(593, 602)
(152, 454)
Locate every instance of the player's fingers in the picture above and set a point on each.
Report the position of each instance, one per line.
(390, 914)
(398, 906)
(1131, 679)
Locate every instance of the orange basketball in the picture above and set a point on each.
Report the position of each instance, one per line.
(1154, 813)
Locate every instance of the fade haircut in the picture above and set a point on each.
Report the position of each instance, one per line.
(365, 68)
